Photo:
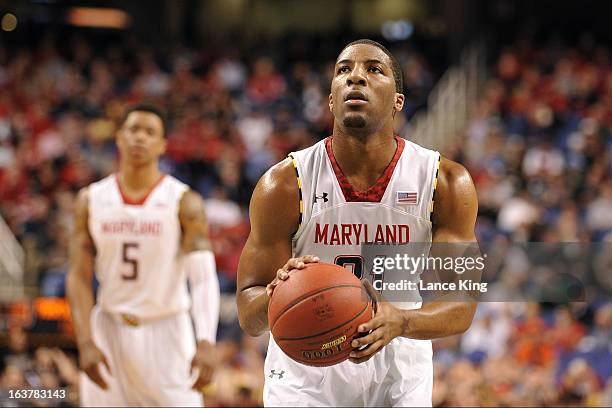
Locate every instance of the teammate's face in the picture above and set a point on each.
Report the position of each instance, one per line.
(141, 138)
(363, 96)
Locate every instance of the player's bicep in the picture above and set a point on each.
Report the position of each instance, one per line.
(455, 211)
(274, 215)
(194, 226)
(456, 205)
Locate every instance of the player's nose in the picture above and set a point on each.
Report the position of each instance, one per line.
(357, 76)
(140, 136)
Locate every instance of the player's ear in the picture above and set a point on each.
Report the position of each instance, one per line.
(398, 105)
(331, 103)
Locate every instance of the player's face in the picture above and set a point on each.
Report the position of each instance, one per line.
(141, 138)
(363, 96)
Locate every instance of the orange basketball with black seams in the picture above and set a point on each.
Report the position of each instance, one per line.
(315, 313)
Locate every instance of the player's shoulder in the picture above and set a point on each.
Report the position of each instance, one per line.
(279, 179)
(276, 189)
(275, 202)
(82, 197)
(191, 203)
(453, 173)
(454, 184)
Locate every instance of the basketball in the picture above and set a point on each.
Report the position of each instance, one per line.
(315, 313)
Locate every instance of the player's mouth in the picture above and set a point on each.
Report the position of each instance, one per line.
(355, 98)
(137, 150)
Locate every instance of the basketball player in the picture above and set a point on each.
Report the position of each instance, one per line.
(144, 233)
(348, 181)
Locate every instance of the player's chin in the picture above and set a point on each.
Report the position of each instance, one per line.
(355, 120)
(141, 160)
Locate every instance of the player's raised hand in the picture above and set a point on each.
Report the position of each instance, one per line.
(292, 263)
(204, 363)
(90, 358)
(388, 323)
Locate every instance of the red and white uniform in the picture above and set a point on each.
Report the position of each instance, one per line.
(141, 319)
(335, 220)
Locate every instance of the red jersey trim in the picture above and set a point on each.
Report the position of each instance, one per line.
(130, 201)
(376, 192)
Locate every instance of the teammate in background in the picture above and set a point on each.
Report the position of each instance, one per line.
(145, 235)
(360, 176)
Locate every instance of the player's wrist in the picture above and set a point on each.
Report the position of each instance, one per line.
(405, 320)
(85, 343)
(204, 344)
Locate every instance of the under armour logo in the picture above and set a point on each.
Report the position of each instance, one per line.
(323, 197)
(273, 373)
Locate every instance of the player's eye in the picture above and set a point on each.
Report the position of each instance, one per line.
(375, 69)
(343, 69)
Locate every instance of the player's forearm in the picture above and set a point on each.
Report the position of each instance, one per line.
(438, 319)
(253, 310)
(205, 295)
(80, 296)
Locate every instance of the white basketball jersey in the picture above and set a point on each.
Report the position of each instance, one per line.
(138, 262)
(336, 219)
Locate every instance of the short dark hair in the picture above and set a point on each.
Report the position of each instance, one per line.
(395, 66)
(150, 108)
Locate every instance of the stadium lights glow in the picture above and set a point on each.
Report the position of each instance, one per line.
(98, 17)
(397, 30)
(9, 22)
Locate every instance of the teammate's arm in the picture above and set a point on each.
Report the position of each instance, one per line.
(274, 214)
(200, 266)
(455, 210)
(80, 291)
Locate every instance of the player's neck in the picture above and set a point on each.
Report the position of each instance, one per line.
(138, 178)
(363, 159)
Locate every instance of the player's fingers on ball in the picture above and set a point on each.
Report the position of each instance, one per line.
(357, 354)
(360, 360)
(281, 274)
(371, 291)
(369, 339)
(289, 264)
(363, 359)
(295, 263)
(373, 324)
(310, 259)
(366, 353)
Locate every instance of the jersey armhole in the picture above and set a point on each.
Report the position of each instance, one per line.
(299, 184)
(435, 184)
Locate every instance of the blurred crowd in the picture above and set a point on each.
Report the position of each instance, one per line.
(538, 148)
(539, 145)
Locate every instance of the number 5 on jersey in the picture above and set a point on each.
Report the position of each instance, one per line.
(130, 261)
